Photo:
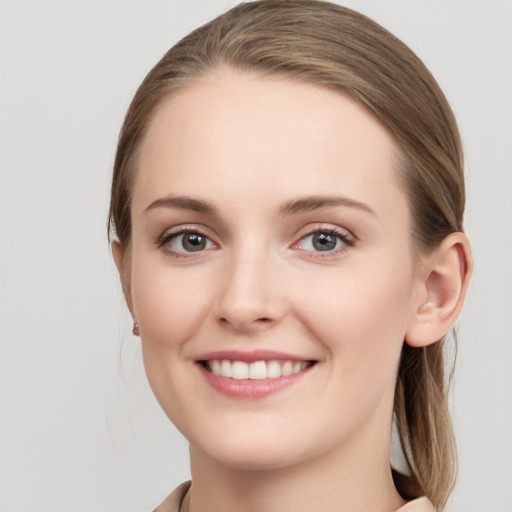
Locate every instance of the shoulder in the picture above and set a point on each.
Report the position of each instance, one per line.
(419, 505)
(173, 502)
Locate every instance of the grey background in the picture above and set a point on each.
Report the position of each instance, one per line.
(79, 428)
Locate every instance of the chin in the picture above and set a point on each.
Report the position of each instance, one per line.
(251, 452)
(250, 459)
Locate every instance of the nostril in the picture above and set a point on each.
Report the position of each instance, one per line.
(246, 323)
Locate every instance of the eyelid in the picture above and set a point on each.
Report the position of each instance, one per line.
(346, 236)
(319, 227)
(170, 233)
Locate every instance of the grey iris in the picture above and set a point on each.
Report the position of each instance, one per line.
(193, 242)
(324, 241)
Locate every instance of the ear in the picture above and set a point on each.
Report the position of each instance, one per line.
(443, 284)
(122, 261)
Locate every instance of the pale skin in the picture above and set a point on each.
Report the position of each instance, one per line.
(268, 162)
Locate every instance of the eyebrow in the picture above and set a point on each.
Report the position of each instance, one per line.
(310, 203)
(183, 203)
(294, 206)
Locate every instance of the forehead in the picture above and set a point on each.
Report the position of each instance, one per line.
(233, 132)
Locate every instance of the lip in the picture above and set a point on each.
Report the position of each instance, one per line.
(250, 357)
(248, 389)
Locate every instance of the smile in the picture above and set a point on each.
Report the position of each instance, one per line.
(253, 375)
(257, 370)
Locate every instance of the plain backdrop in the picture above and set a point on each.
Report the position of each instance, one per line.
(80, 429)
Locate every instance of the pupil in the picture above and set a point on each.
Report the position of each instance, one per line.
(194, 242)
(324, 242)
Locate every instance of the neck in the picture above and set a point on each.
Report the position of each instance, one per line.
(355, 477)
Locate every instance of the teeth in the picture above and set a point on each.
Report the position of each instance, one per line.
(225, 369)
(216, 367)
(240, 370)
(287, 368)
(273, 370)
(258, 370)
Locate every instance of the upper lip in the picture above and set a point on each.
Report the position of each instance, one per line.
(251, 356)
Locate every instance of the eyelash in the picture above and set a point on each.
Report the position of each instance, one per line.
(346, 239)
(167, 237)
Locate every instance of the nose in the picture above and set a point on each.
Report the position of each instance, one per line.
(250, 298)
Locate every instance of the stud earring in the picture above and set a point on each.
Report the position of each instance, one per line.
(135, 330)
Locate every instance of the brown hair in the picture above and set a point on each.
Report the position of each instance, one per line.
(325, 44)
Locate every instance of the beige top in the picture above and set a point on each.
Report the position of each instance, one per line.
(179, 496)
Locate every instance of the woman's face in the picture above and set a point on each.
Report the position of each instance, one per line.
(271, 235)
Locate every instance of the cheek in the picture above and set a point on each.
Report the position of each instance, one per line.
(362, 320)
(169, 303)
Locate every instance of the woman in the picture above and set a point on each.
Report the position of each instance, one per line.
(287, 203)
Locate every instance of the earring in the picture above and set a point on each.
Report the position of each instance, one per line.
(135, 330)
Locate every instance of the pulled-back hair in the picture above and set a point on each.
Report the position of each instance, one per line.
(324, 44)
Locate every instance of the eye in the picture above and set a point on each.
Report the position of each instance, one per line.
(325, 240)
(185, 242)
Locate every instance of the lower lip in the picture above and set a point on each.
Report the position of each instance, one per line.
(250, 389)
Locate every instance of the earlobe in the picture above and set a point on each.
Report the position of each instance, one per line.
(444, 285)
